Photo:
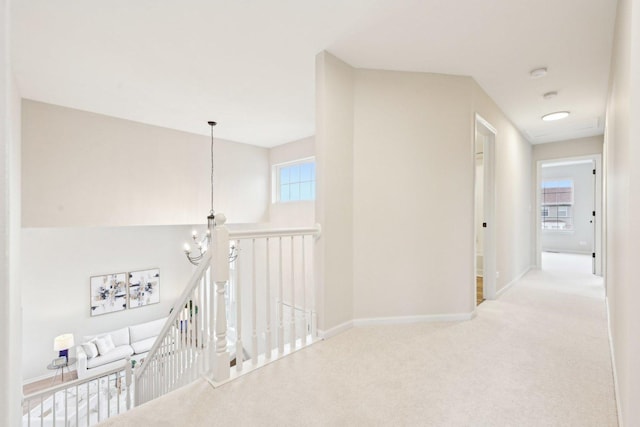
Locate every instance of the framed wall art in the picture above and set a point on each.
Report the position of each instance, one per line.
(144, 287)
(108, 293)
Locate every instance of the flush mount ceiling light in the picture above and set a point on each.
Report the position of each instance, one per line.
(558, 115)
(550, 95)
(538, 72)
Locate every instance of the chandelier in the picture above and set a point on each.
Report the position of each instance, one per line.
(202, 243)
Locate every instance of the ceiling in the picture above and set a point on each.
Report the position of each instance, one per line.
(250, 64)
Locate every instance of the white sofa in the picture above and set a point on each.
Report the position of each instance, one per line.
(131, 341)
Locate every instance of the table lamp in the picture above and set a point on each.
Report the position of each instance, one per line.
(63, 343)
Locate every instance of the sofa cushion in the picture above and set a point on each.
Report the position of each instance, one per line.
(105, 345)
(120, 337)
(90, 349)
(143, 346)
(117, 353)
(146, 330)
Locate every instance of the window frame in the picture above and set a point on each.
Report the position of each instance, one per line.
(276, 184)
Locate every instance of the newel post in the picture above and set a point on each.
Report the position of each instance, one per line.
(219, 277)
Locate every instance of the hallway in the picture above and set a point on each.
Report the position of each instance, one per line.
(537, 356)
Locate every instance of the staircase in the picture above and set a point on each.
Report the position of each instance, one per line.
(245, 312)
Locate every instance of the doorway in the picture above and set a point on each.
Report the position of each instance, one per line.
(484, 285)
(569, 201)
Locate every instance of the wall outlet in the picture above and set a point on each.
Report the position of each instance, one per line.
(497, 274)
(583, 243)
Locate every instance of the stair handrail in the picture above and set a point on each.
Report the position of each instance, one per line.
(124, 369)
(315, 231)
(194, 281)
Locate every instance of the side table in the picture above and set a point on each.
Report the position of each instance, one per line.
(52, 367)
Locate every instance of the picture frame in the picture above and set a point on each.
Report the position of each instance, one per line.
(108, 293)
(143, 287)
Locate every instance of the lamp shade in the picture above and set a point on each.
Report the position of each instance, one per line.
(63, 342)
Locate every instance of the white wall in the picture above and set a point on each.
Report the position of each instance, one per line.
(83, 206)
(10, 325)
(580, 239)
(57, 264)
(334, 190)
(86, 169)
(292, 214)
(569, 148)
(622, 195)
(412, 190)
(513, 186)
(413, 194)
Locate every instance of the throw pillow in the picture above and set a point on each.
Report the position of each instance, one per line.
(105, 344)
(90, 349)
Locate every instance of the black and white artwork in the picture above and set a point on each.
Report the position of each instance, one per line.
(108, 293)
(144, 287)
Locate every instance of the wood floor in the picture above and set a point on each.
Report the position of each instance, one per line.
(49, 382)
(479, 293)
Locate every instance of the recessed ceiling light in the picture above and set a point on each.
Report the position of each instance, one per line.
(538, 72)
(555, 116)
(550, 95)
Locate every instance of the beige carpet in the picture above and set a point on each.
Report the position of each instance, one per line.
(538, 356)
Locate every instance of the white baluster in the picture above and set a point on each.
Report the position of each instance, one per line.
(254, 308)
(292, 322)
(239, 349)
(106, 392)
(77, 407)
(305, 325)
(210, 317)
(212, 327)
(128, 385)
(267, 334)
(201, 324)
(314, 315)
(220, 271)
(280, 306)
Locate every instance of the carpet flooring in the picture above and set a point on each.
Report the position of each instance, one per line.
(537, 356)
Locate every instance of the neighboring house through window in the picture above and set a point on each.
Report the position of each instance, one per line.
(557, 204)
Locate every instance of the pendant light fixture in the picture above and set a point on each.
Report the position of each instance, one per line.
(202, 243)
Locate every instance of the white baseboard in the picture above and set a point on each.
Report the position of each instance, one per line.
(398, 320)
(332, 332)
(514, 281)
(452, 317)
(616, 389)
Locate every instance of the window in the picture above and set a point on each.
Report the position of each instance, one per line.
(295, 181)
(557, 204)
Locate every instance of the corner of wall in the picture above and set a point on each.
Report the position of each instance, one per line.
(334, 202)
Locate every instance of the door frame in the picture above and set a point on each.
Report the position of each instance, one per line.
(482, 126)
(599, 208)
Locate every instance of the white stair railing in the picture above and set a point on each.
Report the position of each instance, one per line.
(84, 402)
(178, 354)
(204, 334)
(273, 293)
